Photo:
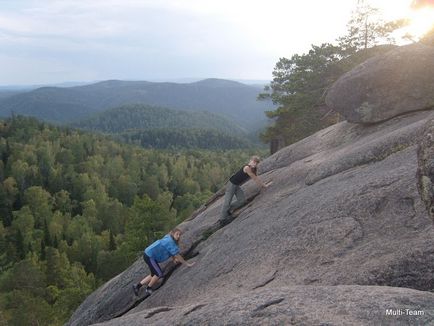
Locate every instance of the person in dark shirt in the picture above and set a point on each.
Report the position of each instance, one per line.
(234, 188)
(158, 252)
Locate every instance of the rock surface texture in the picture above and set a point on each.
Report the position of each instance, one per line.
(344, 236)
(386, 85)
(297, 305)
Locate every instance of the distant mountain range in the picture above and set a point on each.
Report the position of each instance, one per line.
(8, 93)
(230, 99)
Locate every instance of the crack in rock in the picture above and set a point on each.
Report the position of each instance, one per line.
(157, 311)
(361, 154)
(425, 171)
(266, 281)
(197, 307)
(257, 311)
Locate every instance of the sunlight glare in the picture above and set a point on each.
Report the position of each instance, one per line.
(421, 21)
(420, 16)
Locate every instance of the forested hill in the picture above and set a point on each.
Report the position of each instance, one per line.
(154, 127)
(76, 208)
(141, 117)
(232, 99)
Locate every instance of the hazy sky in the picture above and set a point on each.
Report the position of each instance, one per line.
(50, 41)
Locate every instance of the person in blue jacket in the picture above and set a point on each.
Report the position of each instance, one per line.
(158, 252)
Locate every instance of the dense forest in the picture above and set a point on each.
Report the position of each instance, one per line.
(141, 116)
(185, 139)
(77, 209)
(156, 127)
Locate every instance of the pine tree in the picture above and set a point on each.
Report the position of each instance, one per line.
(19, 245)
(53, 267)
(43, 254)
(47, 237)
(112, 243)
(366, 28)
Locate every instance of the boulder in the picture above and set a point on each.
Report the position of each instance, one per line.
(341, 235)
(387, 85)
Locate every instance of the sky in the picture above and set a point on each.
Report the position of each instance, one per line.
(55, 41)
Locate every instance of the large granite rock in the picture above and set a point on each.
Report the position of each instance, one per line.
(342, 226)
(387, 85)
(297, 305)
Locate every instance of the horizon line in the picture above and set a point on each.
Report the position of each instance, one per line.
(186, 80)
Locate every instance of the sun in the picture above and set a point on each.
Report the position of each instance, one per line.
(419, 15)
(421, 20)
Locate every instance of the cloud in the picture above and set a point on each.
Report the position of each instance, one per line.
(112, 34)
(131, 24)
(154, 38)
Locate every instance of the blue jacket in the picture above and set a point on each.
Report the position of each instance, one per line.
(162, 249)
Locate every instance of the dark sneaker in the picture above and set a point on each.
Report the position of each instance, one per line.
(225, 221)
(136, 289)
(149, 290)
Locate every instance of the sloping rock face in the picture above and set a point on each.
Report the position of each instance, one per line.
(297, 305)
(399, 81)
(343, 234)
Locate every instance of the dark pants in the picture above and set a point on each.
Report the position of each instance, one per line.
(153, 266)
(232, 190)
